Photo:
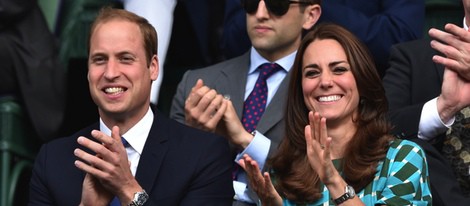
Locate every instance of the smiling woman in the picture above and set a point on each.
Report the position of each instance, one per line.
(337, 138)
(328, 83)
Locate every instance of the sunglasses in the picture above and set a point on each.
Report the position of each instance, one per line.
(276, 7)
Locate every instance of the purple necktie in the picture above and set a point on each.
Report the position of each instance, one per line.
(255, 104)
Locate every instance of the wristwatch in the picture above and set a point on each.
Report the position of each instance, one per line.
(349, 193)
(139, 198)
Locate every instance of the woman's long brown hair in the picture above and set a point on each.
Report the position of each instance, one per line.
(294, 178)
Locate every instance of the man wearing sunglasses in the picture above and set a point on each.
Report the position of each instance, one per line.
(213, 98)
(378, 23)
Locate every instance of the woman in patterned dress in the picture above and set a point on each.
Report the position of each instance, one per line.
(337, 136)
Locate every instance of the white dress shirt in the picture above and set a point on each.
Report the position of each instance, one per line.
(430, 124)
(136, 137)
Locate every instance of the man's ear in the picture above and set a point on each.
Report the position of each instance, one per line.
(312, 13)
(154, 68)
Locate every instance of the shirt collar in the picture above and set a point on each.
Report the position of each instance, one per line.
(256, 60)
(465, 26)
(136, 135)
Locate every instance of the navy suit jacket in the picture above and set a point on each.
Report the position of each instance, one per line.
(412, 80)
(178, 166)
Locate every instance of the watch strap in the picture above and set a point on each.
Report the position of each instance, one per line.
(348, 194)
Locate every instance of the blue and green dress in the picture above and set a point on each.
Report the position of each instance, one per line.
(401, 179)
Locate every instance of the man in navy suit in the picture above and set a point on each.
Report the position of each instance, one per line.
(426, 87)
(158, 161)
(410, 83)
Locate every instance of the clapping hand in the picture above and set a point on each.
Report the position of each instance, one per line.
(260, 183)
(318, 148)
(204, 107)
(454, 43)
(108, 171)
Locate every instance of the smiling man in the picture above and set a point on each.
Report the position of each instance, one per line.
(158, 162)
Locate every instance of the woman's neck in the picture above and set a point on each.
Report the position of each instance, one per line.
(341, 134)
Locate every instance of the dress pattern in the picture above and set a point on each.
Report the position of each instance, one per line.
(401, 179)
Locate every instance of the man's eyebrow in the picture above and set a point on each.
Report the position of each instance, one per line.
(125, 53)
(97, 54)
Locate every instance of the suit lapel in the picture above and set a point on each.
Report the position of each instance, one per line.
(233, 76)
(153, 153)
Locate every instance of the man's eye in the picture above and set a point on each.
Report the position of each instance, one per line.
(98, 60)
(126, 59)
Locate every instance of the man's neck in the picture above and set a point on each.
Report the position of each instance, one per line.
(124, 122)
(279, 54)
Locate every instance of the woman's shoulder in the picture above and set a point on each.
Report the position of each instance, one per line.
(401, 149)
(397, 143)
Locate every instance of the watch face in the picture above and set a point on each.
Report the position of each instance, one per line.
(140, 198)
(350, 191)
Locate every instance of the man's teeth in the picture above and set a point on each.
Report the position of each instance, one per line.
(329, 98)
(113, 90)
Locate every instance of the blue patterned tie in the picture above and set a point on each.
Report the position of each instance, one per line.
(125, 143)
(255, 104)
(115, 201)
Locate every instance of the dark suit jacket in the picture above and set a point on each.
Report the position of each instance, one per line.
(229, 77)
(412, 80)
(178, 166)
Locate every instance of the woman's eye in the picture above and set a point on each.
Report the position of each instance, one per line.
(340, 70)
(311, 73)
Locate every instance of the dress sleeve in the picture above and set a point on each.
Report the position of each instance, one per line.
(406, 172)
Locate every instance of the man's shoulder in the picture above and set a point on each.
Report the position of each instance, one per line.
(415, 45)
(224, 65)
(180, 128)
(185, 134)
(405, 149)
(72, 138)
